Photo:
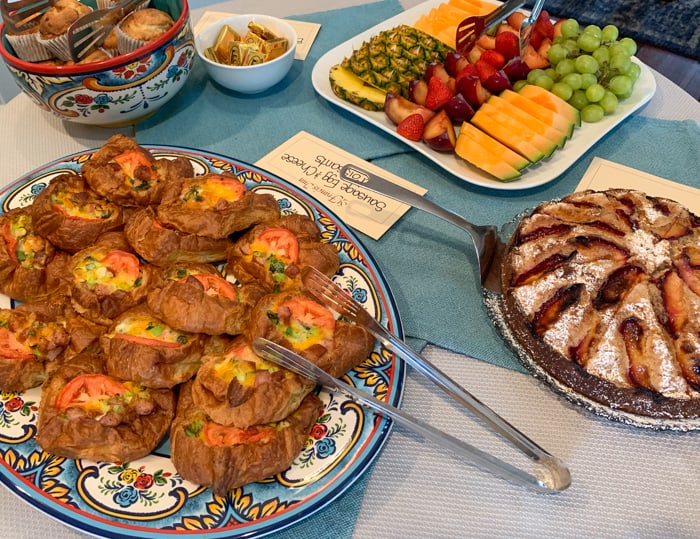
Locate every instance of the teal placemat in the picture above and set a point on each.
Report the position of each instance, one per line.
(208, 116)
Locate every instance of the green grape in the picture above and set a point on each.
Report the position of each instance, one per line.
(609, 33)
(621, 86)
(544, 82)
(619, 62)
(633, 71)
(571, 46)
(587, 80)
(557, 53)
(618, 48)
(601, 54)
(563, 90)
(588, 42)
(595, 92)
(572, 80)
(609, 102)
(586, 64)
(593, 30)
(551, 73)
(565, 67)
(592, 113)
(533, 75)
(629, 44)
(518, 84)
(578, 99)
(570, 28)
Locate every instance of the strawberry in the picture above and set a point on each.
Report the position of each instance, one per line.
(438, 94)
(485, 70)
(468, 70)
(544, 25)
(508, 44)
(496, 59)
(411, 127)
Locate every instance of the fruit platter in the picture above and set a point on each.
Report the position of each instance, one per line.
(492, 116)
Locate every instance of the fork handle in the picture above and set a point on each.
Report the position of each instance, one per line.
(369, 180)
(560, 473)
(502, 12)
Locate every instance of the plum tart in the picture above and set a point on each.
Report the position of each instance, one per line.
(601, 291)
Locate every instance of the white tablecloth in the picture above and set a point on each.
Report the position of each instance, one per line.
(626, 482)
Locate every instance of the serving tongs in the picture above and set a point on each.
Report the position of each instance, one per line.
(90, 30)
(278, 354)
(527, 25)
(21, 15)
(472, 28)
(555, 475)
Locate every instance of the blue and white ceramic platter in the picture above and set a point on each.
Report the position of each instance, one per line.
(147, 498)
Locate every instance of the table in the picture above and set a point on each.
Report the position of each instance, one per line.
(626, 482)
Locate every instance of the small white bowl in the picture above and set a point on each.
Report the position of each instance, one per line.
(248, 79)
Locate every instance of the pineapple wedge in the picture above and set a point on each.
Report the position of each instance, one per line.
(349, 87)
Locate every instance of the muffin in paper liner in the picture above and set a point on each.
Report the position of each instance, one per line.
(27, 46)
(54, 25)
(141, 27)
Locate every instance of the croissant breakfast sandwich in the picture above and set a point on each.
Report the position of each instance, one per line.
(296, 321)
(199, 299)
(31, 268)
(274, 253)
(31, 339)
(139, 346)
(214, 205)
(163, 245)
(128, 174)
(224, 457)
(71, 215)
(238, 388)
(107, 280)
(85, 413)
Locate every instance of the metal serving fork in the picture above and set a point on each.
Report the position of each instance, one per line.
(472, 28)
(527, 25)
(487, 243)
(91, 30)
(295, 363)
(332, 296)
(22, 14)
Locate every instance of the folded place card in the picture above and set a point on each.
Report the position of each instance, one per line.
(306, 31)
(602, 174)
(314, 165)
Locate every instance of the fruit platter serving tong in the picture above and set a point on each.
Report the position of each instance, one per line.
(278, 354)
(527, 25)
(472, 28)
(333, 297)
(487, 243)
(90, 30)
(23, 14)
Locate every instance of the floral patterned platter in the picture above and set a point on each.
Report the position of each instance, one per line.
(147, 498)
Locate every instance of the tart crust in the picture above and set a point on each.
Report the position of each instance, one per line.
(599, 292)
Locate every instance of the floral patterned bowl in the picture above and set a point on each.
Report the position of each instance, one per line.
(115, 92)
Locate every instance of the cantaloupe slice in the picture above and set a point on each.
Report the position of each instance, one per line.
(548, 116)
(537, 125)
(472, 152)
(478, 7)
(513, 134)
(547, 99)
(491, 145)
